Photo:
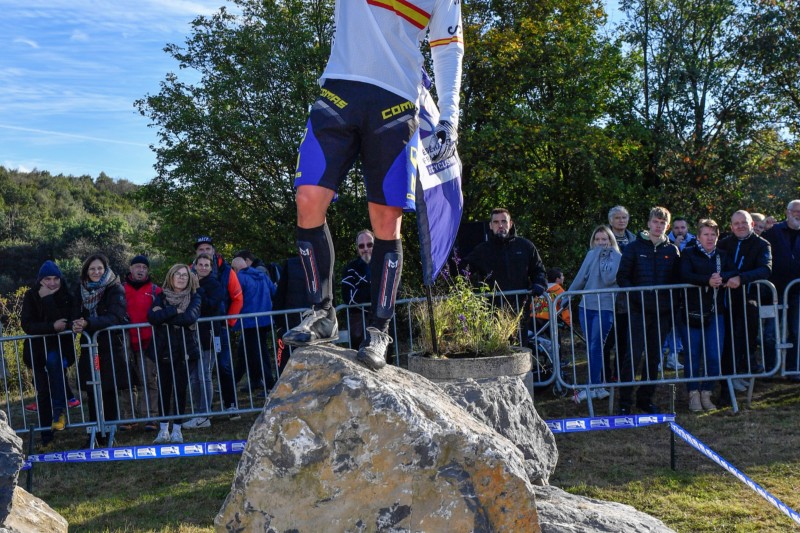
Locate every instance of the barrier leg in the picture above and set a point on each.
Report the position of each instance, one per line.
(672, 458)
(732, 392)
(29, 480)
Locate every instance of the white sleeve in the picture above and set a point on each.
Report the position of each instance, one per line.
(446, 39)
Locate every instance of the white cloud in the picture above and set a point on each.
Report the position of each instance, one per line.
(29, 42)
(78, 35)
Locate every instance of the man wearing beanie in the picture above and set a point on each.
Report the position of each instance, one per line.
(140, 291)
(47, 311)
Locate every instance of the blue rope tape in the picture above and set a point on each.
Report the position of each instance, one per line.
(575, 425)
(131, 453)
(695, 443)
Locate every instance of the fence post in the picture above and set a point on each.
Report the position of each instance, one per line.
(29, 480)
(672, 459)
(94, 357)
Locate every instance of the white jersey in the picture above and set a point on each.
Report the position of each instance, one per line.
(378, 42)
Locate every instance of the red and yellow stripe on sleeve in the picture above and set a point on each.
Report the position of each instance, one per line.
(446, 41)
(404, 9)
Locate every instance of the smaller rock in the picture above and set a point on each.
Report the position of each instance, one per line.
(562, 512)
(29, 514)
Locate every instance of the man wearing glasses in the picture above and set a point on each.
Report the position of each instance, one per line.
(356, 287)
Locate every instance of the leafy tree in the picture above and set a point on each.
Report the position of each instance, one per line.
(228, 143)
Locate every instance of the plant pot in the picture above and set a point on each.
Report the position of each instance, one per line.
(516, 363)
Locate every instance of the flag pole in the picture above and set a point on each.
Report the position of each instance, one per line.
(434, 342)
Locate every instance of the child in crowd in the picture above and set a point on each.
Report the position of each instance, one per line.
(541, 304)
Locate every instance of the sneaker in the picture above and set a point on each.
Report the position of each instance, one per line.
(199, 422)
(127, 427)
(234, 413)
(177, 436)
(151, 426)
(672, 362)
(60, 424)
(600, 394)
(740, 385)
(580, 396)
(162, 437)
(705, 401)
(32, 407)
(317, 326)
(694, 401)
(73, 403)
(372, 352)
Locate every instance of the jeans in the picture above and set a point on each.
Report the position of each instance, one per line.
(595, 325)
(202, 390)
(55, 377)
(705, 345)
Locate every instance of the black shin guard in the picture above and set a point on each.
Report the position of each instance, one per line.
(384, 269)
(316, 254)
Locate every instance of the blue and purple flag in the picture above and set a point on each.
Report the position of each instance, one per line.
(439, 202)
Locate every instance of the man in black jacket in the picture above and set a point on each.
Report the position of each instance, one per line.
(507, 262)
(356, 287)
(785, 241)
(648, 261)
(752, 259)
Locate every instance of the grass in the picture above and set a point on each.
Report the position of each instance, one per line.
(631, 466)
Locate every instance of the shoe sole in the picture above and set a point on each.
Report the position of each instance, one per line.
(370, 363)
(311, 342)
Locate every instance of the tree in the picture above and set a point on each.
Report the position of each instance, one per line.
(228, 143)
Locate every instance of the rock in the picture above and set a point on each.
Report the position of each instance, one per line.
(29, 514)
(21, 512)
(505, 404)
(341, 448)
(561, 512)
(10, 463)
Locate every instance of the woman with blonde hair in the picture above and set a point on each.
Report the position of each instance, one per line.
(174, 316)
(596, 314)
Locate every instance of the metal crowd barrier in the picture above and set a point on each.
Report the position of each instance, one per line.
(654, 318)
(559, 351)
(790, 332)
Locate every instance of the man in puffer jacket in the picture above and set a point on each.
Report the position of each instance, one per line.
(648, 261)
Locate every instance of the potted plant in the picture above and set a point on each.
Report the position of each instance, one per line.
(467, 333)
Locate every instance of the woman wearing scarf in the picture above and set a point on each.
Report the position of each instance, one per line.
(102, 305)
(174, 314)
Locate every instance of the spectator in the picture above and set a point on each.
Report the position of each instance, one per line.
(291, 294)
(368, 106)
(680, 235)
(541, 304)
(140, 292)
(769, 222)
(785, 241)
(47, 309)
(709, 268)
(598, 271)
(752, 259)
(759, 223)
(201, 388)
(507, 262)
(174, 316)
(101, 304)
(618, 219)
(648, 261)
(231, 305)
(255, 262)
(356, 287)
(673, 346)
(253, 354)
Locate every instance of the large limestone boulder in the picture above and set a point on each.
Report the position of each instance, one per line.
(21, 512)
(562, 512)
(341, 448)
(505, 405)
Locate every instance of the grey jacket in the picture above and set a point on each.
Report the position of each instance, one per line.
(598, 271)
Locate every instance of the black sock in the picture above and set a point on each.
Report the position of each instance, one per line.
(316, 254)
(384, 270)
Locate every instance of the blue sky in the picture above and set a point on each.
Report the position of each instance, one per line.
(69, 74)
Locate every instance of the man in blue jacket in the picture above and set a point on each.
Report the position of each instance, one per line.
(648, 261)
(253, 355)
